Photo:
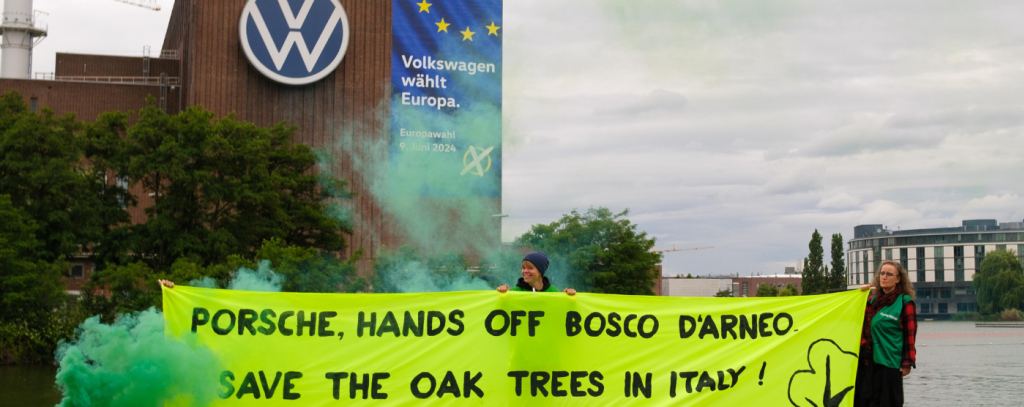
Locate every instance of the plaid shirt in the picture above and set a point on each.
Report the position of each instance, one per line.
(908, 323)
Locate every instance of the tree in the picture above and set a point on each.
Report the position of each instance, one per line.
(767, 290)
(813, 273)
(789, 291)
(724, 293)
(29, 287)
(837, 276)
(603, 250)
(309, 270)
(44, 171)
(220, 187)
(1000, 282)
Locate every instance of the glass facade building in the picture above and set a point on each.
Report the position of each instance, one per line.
(929, 255)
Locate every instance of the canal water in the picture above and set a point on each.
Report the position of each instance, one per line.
(957, 365)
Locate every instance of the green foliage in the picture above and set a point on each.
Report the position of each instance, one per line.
(43, 172)
(837, 274)
(723, 293)
(33, 341)
(29, 287)
(603, 250)
(814, 278)
(310, 270)
(999, 283)
(688, 275)
(789, 291)
(120, 289)
(767, 290)
(221, 187)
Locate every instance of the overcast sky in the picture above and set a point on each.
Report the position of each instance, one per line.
(742, 125)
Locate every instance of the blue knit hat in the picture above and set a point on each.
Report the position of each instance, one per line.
(539, 259)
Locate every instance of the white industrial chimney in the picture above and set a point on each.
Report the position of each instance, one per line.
(20, 34)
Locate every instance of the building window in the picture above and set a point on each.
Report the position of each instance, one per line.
(943, 308)
(876, 257)
(1000, 237)
(33, 104)
(1020, 252)
(940, 266)
(966, 307)
(864, 265)
(745, 291)
(904, 261)
(945, 293)
(924, 293)
(979, 255)
(920, 263)
(77, 271)
(958, 263)
(1001, 247)
(926, 308)
(888, 254)
(960, 291)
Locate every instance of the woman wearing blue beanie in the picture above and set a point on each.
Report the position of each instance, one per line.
(534, 266)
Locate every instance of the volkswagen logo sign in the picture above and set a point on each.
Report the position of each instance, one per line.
(294, 42)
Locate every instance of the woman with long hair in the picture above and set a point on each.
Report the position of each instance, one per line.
(887, 350)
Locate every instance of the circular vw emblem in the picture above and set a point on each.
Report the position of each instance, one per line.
(295, 42)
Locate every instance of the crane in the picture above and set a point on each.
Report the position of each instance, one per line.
(673, 249)
(150, 4)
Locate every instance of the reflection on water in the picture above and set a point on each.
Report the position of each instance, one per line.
(29, 386)
(960, 365)
(957, 365)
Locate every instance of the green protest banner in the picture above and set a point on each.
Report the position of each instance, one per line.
(486, 348)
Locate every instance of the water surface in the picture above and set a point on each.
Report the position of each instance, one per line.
(960, 365)
(28, 386)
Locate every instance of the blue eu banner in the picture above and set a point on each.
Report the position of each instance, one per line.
(446, 98)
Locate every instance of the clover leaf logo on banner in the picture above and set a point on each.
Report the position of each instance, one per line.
(829, 379)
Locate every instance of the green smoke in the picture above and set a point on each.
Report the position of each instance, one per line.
(452, 219)
(261, 279)
(133, 363)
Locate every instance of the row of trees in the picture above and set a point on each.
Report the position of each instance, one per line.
(225, 194)
(818, 278)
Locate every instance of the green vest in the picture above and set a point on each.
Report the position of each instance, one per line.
(887, 334)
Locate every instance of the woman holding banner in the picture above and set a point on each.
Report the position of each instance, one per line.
(887, 350)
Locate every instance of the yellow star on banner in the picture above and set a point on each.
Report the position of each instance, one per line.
(442, 26)
(424, 6)
(492, 29)
(467, 35)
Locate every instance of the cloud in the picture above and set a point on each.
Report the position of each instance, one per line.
(793, 181)
(840, 200)
(657, 101)
(1004, 208)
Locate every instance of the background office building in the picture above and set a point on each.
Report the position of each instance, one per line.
(941, 262)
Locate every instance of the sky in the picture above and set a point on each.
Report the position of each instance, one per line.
(743, 125)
